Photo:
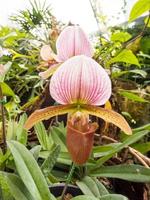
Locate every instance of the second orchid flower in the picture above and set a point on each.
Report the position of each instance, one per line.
(72, 41)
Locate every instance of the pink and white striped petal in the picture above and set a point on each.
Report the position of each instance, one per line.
(80, 80)
(71, 42)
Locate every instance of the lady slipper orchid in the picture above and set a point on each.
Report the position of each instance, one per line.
(71, 42)
(80, 84)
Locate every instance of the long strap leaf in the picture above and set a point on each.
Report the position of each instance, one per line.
(29, 171)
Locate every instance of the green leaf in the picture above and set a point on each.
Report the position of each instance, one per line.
(17, 187)
(113, 197)
(140, 72)
(15, 130)
(142, 147)
(121, 36)
(91, 186)
(85, 189)
(42, 135)
(135, 173)
(117, 74)
(84, 197)
(134, 71)
(36, 151)
(11, 127)
(141, 128)
(58, 136)
(60, 175)
(88, 186)
(130, 140)
(5, 193)
(49, 163)
(101, 187)
(21, 133)
(63, 158)
(139, 8)
(3, 157)
(145, 45)
(133, 97)
(29, 171)
(7, 90)
(147, 22)
(30, 103)
(99, 151)
(125, 56)
(18, 55)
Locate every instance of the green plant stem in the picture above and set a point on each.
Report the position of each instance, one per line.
(3, 121)
(68, 180)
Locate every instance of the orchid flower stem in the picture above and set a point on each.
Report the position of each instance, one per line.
(82, 170)
(3, 120)
(68, 180)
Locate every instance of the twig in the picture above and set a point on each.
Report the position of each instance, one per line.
(141, 158)
(3, 121)
(145, 158)
(125, 154)
(140, 35)
(131, 150)
(108, 138)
